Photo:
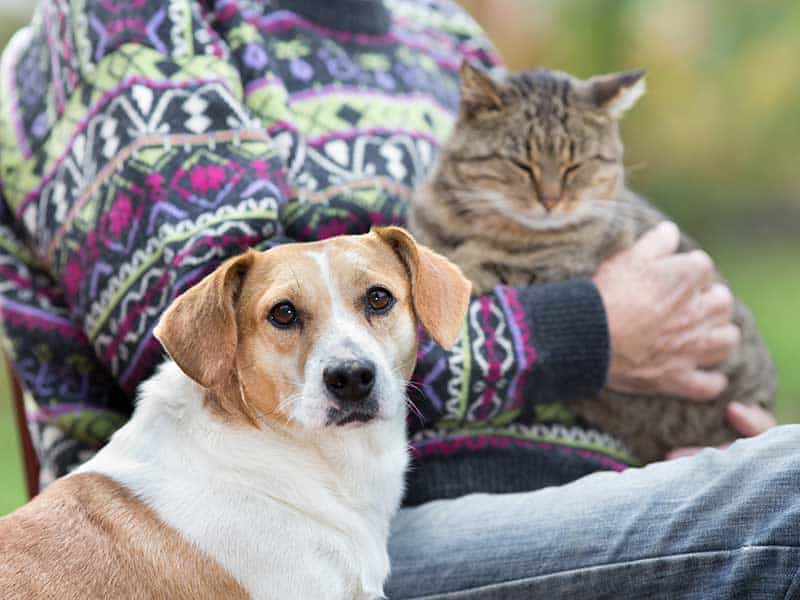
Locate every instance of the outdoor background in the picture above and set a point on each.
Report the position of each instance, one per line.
(715, 141)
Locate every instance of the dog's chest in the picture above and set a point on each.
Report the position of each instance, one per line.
(305, 540)
(275, 552)
(276, 549)
(285, 519)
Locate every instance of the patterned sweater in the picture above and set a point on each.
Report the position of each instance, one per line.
(142, 143)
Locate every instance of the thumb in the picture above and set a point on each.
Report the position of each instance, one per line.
(699, 385)
(749, 420)
(661, 241)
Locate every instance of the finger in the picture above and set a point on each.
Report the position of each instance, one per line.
(716, 304)
(699, 386)
(662, 240)
(689, 273)
(749, 419)
(682, 452)
(699, 268)
(692, 450)
(706, 271)
(717, 345)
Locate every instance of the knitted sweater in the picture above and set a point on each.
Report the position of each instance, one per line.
(143, 143)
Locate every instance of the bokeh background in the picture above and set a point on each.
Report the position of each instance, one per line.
(715, 142)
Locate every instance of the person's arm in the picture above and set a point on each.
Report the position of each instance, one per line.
(76, 404)
(145, 172)
(519, 347)
(154, 172)
(537, 345)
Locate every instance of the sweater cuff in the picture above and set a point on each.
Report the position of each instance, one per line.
(570, 334)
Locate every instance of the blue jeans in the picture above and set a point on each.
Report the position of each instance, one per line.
(715, 525)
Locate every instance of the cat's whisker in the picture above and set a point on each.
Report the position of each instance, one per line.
(638, 166)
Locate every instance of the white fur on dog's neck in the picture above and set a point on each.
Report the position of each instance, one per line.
(258, 501)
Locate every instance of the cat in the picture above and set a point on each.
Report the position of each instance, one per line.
(530, 188)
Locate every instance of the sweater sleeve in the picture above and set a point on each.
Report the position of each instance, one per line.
(143, 171)
(73, 404)
(131, 167)
(520, 348)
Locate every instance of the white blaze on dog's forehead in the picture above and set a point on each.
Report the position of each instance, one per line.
(343, 334)
(327, 278)
(343, 323)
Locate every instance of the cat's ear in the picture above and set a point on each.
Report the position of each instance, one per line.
(617, 92)
(479, 92)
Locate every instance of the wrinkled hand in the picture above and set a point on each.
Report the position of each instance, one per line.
(668, 320)
(744, 419)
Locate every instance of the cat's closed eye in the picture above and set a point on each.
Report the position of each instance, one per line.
(605, 159)
(490, 170)
(570, 170)
(522, 166)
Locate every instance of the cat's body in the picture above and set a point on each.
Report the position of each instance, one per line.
(530, 189)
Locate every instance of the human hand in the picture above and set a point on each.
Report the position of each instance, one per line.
(745, 419)
(667, 319)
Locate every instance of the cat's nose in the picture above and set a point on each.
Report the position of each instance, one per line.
(550, 192)
(550, 200)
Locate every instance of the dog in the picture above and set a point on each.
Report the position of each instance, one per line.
(267, 457)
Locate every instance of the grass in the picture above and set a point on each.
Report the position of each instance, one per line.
(768, 280)
(766, 277)
(12, 491)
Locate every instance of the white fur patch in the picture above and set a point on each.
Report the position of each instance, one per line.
(271, 507)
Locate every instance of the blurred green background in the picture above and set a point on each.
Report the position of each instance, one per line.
(715, 141)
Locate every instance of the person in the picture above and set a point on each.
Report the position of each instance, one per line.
(143, 143)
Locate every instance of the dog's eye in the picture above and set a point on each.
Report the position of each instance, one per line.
(283, 315)
(379, 300)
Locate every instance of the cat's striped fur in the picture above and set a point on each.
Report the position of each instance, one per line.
(530, 188)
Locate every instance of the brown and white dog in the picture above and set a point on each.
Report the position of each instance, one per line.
(266, 459)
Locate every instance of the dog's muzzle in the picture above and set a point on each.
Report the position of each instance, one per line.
(350, 383)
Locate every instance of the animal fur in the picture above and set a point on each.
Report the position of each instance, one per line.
(530, 188)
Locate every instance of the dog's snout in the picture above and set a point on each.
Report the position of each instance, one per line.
(350, 380)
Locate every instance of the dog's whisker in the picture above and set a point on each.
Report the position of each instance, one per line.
(290, 380)
(296, 382)
(288, 402)
(413, 385)
(413, 407)
(402, 367)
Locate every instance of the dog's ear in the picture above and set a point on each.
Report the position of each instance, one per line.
(439, 290)
(198, 330)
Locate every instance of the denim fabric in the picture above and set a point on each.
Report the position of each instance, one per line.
(721, 524)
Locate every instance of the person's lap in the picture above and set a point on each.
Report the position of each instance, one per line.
(716, 525)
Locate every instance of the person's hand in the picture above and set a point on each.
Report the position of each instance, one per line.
(668, 321)
(745, 419)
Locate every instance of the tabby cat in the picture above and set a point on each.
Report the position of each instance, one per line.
(530, 188)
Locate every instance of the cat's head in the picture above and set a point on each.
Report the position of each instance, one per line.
(542, 143)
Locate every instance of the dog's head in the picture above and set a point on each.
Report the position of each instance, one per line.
(315, 335)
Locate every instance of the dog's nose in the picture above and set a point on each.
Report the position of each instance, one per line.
(350, 380)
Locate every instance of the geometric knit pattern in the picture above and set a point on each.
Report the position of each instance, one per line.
(475, 395)
(141, 144)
